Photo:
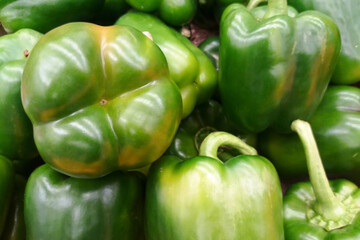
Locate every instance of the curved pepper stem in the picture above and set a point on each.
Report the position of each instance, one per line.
(327, 204)
(209, 147)
(275, 7)
(254, 3)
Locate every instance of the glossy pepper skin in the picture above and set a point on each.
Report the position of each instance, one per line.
(173, 12)
(335, 125)
(15, 222)
(16, 133)
(108, 105)
(205, 199)
(205, 119)
(44, 15)
(189, 67)
(211, 47)
(7, 178)
(319, 209)
(60, 207)
(276, 69)
(345, 14)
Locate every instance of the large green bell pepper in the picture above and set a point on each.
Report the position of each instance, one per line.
(7, 178)
(189, 67)
(203, 198)
(15, 222)
(173, 12)
(59, 207)
(276, 69)
(336, 128)
(319, 210)
(345, 14)
(206, 118)
(16, 133)
(44, 15)
(109, 103)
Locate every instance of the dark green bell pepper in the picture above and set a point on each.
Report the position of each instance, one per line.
(7, 178)
(189, 67)
(319, 209)
(111, 11)
(173, 12)
(336, 128)
(44, 15)
(109, 103)
(210, 11)
(276, 69)
(345, 14)
(15, 222)
(16, 133)
(205, 119)
(203, 198)
(59, 207)
(211, 47)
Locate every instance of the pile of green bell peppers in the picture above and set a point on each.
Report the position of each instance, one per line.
(96, 93)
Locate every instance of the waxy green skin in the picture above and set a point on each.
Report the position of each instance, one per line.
(211, 47)
(298, 200)
(202, 198)
(7, 178)
(108, 105)
(16, 133)
(277, 69)
(335, 125)
(189, 67)
(205, 118)
(345, 14)
(60, 207)
(15, 222)
(44, 15)
(173, 12)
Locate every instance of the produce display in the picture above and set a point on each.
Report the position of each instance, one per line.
(179, 119)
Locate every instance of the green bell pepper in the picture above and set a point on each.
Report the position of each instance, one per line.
(211, 47)
(16, 133)
(276, 69)
(319, 210)
(15, 222)
(7, 178)
(205, 199)
(346, 15)
(109, 103)
(206, 118)
(335, 125)
(44, 15)
(173, 12)
(59, 207)
(189, 67)
(111, 11)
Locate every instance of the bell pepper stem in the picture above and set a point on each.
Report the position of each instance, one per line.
(275, 8)
(254, 3)
(209, 147)
(327, 204)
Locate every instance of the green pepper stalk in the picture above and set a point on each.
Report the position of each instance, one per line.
(319, 208)
(275, 7)
(329, 207)
(209, 147)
